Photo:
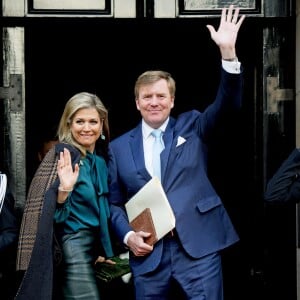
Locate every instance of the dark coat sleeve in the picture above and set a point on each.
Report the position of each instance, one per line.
(8, 225)
(284, 186)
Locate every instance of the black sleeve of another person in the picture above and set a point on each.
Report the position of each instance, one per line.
(284, 186)
(9, 231)
(8, 225)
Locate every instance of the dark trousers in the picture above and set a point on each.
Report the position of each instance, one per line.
(200, 279)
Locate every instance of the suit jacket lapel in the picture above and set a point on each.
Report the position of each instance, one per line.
(136, 145)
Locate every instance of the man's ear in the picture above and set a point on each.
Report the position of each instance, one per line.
(173, 99)
(137, 104)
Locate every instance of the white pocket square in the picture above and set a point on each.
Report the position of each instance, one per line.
(180, 141)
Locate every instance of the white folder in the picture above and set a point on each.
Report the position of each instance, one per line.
(152, 195)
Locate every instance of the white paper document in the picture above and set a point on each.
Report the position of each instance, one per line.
(152, 195)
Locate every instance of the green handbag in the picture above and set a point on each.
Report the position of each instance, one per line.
(107, 272)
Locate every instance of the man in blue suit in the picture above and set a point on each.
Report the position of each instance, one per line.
(189, 254)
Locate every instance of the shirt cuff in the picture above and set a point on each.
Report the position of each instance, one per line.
(127, 236)
(233, 67)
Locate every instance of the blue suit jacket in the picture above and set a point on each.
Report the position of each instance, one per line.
(202, 222)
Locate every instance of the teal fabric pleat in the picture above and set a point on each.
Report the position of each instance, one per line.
(99, 177)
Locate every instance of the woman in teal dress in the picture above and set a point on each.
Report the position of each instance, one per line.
(71, 185)
(82, 208)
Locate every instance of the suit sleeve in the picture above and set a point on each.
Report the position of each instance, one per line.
(227, 102)
(116, 199)
(284, 186)
(8, 224)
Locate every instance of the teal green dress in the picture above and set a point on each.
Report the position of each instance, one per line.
(82, 226)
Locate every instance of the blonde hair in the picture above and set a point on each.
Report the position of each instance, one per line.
(80, 101)
(150, 77)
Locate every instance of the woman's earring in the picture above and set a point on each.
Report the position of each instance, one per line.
(102, 136)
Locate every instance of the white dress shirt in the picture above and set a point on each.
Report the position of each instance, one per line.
(233, 67)
(148, 141)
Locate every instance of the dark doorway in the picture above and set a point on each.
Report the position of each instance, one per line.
(105, 57)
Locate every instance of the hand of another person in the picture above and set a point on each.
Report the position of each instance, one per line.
(102, 259)
(137, 245)
(66, 174)
(226, 35)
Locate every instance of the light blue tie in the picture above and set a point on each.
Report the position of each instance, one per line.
(158, 146)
